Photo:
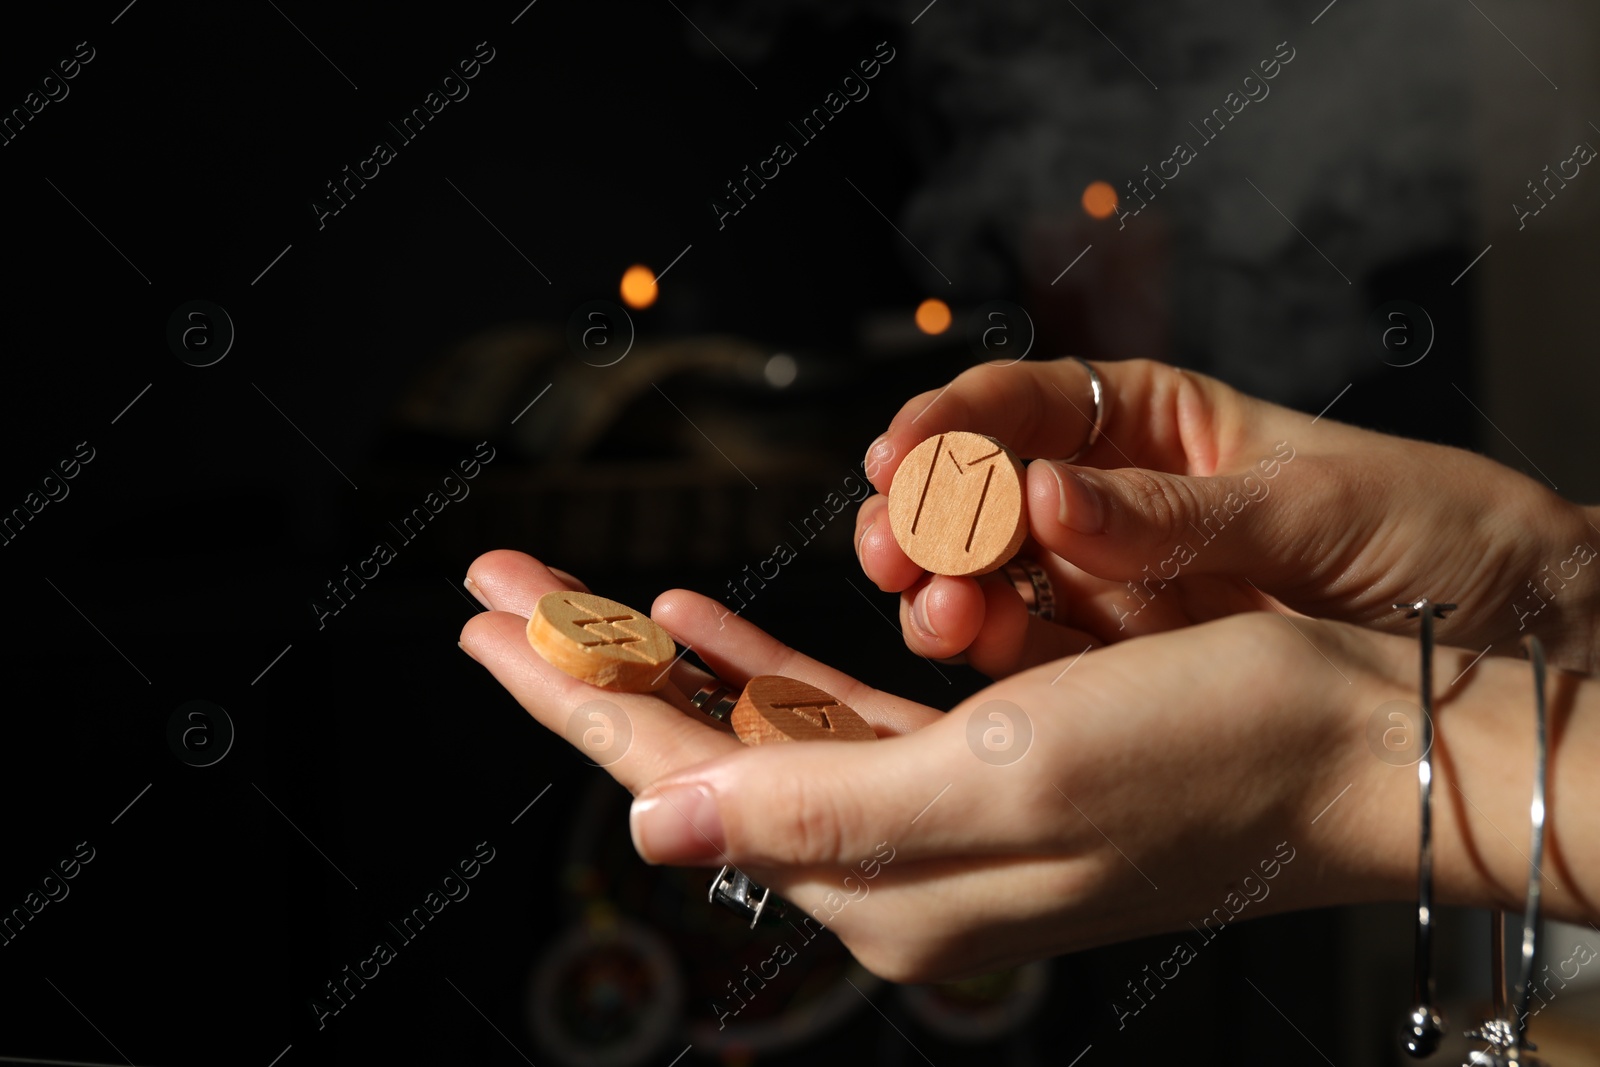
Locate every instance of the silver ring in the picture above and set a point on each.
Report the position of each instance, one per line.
(1033, 585)
(1098, 388)
(716, 700)
(734, 890)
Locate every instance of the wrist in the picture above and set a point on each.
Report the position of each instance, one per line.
(1487, 770)
(1483, 768)
(1560, 600)
(1367, 839)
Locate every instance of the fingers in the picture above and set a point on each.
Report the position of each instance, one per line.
(504, 580)
(1155, 416)
(636, 737)
(1017, 405)
(940, 616)
(1012, 640)
(882, 558)
(1127, 524)
(572, 583)
(707, 799)
(738, 650)
(985, 620)
(820, 803)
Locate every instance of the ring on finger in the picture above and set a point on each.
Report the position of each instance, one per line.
(1097, 389)
(1032, 583)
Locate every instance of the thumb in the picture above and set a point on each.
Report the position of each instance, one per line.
(1116, 524)
(837, 803)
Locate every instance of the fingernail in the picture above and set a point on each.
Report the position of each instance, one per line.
(472, 587)
(878, 453)
(467, 650)
(1079, 507)
(862, 540)
(919, 613)
(678, 824)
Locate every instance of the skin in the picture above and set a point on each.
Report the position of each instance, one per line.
(1353, 523)
(1200, 752)
(1198, 742)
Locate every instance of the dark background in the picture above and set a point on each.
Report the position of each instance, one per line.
(373, 353)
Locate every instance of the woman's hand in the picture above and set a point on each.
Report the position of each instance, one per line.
(663, 733)
(1221, 503)
(1145, 787)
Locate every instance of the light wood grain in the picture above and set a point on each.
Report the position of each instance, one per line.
(601, 641)
(773, 709)
(956, 504)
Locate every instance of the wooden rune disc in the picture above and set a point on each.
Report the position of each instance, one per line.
(775, 709)
(956, 504)
(601, 642)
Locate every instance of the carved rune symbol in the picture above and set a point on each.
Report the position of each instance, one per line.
(607, 630)
(813, 711)
(983, 495)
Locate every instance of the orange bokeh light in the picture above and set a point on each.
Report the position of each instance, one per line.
(1099, 200)
(933, 316)
(639, 286)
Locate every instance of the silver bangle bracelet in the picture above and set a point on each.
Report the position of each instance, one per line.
(1424, 1026)
(1506, 1033)
(1536, 808)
